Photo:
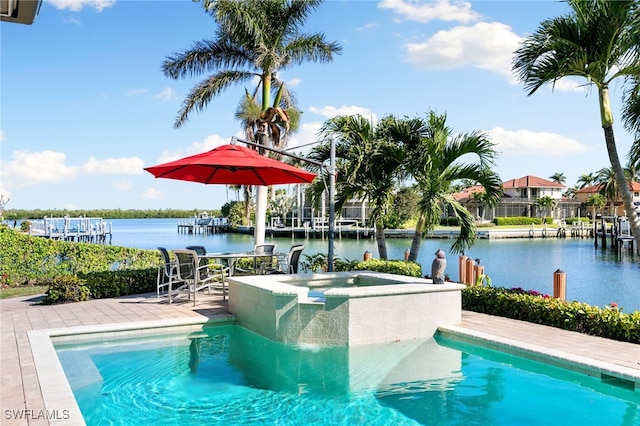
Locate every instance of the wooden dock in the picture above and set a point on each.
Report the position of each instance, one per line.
(200, 226)
(615, 232)
(81, 229)
(619, 239)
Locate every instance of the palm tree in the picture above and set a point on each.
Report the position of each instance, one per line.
(558, 178)
(609, 188)
(547, 203)
(254, 38)
(571, 192)
(596, 201)
(597, 40)
(586, 180)
(368, 165)
(631, 111)
(434, 161)
(634, 160)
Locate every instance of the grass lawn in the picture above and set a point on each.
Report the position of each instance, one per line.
(6, 293)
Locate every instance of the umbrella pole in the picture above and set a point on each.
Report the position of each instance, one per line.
(261, 214)
(332, 203)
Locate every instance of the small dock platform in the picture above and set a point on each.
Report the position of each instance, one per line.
(81, 229)
(614, 231)
(203, 225)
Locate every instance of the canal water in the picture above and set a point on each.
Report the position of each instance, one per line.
(594, 276)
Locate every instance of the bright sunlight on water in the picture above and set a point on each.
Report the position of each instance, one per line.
(227, 375)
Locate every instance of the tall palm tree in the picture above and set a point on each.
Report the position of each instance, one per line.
(558, 178)
(597, 40)
(631, 111)
(547, 203)
(609, 188)
(596, 201)
(254, 38)
(249, 112)
(434, 160)
(586, 179)
(571, 192)
(368, 166)
(634, 159)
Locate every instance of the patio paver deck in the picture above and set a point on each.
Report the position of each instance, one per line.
(21, 395)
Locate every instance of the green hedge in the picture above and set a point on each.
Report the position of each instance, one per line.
(66, 289)
(519, 220)
(29, 260)
(399, 267)
(576, 220)
(317, 262)
(534, 307)
(449, 221)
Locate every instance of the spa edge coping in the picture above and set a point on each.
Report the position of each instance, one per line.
(378, 284)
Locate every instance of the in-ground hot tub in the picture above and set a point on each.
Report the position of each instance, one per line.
(343, 308)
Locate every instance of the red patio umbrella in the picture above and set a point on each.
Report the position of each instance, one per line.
(233, 165)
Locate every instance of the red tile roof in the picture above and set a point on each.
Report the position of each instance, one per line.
(466, 193)
(531, 182)
(633, 186)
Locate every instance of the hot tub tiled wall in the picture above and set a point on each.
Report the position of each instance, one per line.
(362, 308)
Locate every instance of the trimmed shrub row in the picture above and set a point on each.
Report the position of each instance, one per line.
(28, 260)
(534, 307)
(100, 285)
(522, 220)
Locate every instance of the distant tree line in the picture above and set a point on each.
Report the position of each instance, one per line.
(20, 214)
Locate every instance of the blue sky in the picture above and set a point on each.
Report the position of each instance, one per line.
(85, 106)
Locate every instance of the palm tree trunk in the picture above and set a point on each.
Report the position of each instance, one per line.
(623, 186)
(606, 118)
(380, 240)
(417, 239)
(247, 204)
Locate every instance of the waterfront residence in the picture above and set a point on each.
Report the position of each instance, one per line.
(617, 208)
(520, 199)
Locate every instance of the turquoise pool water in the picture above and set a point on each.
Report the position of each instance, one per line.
(226, 375)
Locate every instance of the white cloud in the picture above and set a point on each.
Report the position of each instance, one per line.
(31, 168)
(526, 142)
(5, 192)
(78, 5)
(167, 94)
(134, 92)
(306, 134)
(488, 46)
(72, 20)
(330, 111)
(123, 185)
(366, 27)
(569, 84)
(443, 10)
(113, 166)
(294, 82)
(211, 142)
(153, 194)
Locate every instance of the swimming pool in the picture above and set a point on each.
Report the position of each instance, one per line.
(226, 374)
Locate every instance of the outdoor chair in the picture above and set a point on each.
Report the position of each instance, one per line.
(200, 251)
(290, 265)
(167, 274)
(199, 277)
(260, 263)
